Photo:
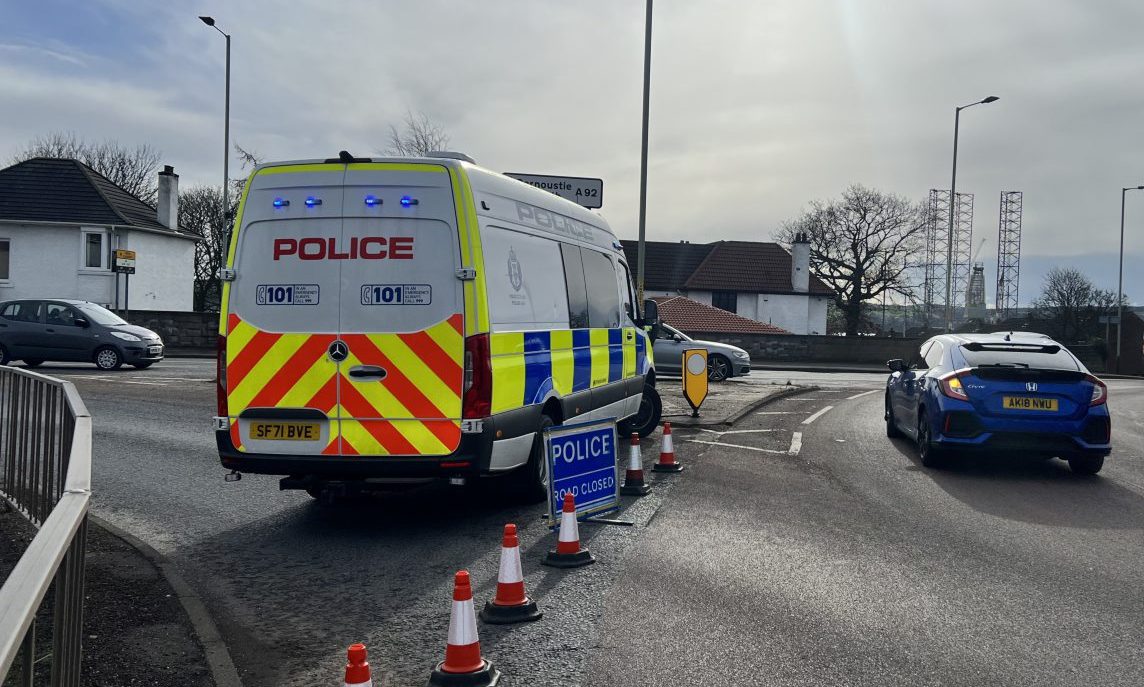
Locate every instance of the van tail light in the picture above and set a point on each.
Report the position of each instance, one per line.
(1099, 391)
(951, 385)
(220, 377)
(478, 388)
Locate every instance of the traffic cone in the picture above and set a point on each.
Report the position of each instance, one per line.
(463, 665)
(511, 604)
(634, 484)
(357, 668)
(568, 553)
(667, 461)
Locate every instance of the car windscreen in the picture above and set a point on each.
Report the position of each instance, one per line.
(1033, 356)
(100, 315)
(675, 332)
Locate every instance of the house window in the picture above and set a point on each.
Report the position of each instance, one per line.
(725, 300)
(5, 258)
(94, 250)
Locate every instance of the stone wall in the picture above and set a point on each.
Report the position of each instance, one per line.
(180, 330)
(825, 349)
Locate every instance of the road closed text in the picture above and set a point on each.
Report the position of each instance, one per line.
(363, 248)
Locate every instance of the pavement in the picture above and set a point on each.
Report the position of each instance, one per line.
(830, 558)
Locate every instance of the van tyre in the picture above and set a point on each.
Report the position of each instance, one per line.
(892, 430)
(532, 479)
(718, 368)
(647, 418)
(107, 358)
(1086, 465)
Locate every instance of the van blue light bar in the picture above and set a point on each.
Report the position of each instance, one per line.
(372, 201)
(312, 201)
(281, 202)
(406, 201)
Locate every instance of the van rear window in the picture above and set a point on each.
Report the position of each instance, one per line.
(1041, 357)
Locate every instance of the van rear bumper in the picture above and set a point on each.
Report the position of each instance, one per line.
(471, 458)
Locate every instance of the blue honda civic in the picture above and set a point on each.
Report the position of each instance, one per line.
(1011, 393)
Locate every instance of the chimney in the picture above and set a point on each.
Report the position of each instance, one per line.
(800, 263)
(169, 197)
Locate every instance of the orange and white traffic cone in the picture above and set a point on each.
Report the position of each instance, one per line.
(511, 604)
(667, 462)
(634, 484)
(568, 553)
(357, 668)
(463, 664)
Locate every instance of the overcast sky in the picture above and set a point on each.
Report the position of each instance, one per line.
(756, 108)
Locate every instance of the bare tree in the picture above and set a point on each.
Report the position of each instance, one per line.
(201, 211)
(1070, 305)
(861, 245)
(134, 169)
(418, 136)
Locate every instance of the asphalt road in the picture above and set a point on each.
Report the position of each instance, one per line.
(830, 557)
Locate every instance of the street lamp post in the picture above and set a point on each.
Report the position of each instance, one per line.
(953, 211)
(209, 21)
(1120, 280)
(640, 248)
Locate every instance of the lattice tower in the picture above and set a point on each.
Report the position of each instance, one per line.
(1009, 253)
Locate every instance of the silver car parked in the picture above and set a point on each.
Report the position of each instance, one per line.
(723, 360)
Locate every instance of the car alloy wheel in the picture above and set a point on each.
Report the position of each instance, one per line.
(718, 368)
(107, 359)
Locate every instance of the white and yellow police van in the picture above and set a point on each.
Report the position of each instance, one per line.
(389, 319)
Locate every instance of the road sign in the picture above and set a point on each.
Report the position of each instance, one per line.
(583, 190)
(124, 262)
(695, 378)
(582, 460)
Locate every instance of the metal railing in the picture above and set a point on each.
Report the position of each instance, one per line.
(45, 473)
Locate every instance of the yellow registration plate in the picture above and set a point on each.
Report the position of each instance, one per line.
(1048, 405)
(285, 431)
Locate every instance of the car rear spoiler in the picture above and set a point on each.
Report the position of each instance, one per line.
(1011, 346)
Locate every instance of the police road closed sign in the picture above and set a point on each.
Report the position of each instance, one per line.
(582, 461)
(583, 190)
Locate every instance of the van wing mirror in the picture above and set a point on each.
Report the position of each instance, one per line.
(896, 365)
(651, 321)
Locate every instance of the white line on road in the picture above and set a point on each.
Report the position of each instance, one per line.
(795, 444)
(864, 393)
(817, 415)
(778, 412)
(749, 448)
(748, 431)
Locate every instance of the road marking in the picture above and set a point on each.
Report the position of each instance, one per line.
(736, 431)
(864, 393)
(795, 444)
(817, 415)
(749, 448)
(778, 412)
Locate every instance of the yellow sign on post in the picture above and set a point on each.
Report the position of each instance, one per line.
(695, 378)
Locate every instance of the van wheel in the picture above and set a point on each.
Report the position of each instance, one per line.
(107, 358)
(647, 417)
(532, 479)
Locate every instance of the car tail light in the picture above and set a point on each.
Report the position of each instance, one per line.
(478, 387)
(951, 385)
(1099, 391)
(220, 377)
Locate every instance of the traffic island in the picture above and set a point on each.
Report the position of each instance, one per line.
(726, 403)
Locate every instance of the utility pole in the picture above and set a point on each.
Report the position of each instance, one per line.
(641, 248)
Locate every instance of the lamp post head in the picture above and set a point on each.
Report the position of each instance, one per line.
(990, 99)
(209, 21)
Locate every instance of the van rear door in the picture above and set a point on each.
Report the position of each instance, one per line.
(283, 316)
(401, 312)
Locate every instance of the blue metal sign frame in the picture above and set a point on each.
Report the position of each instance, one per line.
(582, 458)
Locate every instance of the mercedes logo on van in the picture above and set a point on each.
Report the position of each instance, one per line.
(515, 276)
(338, 351)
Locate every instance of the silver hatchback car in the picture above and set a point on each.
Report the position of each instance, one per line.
(723, 360)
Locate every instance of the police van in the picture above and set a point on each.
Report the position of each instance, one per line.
(387, 320)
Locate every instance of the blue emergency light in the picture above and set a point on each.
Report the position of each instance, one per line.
(281, 202)
(372, 201)
(312, 201)
(406, 201)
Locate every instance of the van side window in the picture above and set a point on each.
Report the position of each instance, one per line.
(603, 292)
(626, 299)
(574, 282)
